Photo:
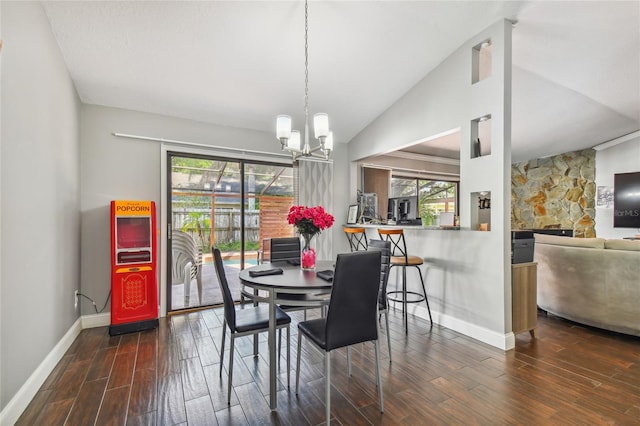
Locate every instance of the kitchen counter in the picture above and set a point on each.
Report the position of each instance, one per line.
(411, 227)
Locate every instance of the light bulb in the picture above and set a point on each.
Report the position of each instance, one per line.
(321, 125)
(294, 140)
(283, 126)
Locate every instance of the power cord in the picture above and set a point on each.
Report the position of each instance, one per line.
(94, 303)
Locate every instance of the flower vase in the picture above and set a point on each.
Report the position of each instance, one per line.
(308, 253)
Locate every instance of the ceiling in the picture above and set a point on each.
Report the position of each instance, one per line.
(576, 65)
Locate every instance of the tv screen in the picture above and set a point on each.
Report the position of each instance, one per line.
(626, 200)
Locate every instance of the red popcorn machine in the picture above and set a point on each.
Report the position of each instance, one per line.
(134, 288)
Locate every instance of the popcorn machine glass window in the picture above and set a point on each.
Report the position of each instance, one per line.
(133, 240)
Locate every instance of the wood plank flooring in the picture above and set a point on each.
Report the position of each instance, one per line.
(569, 375)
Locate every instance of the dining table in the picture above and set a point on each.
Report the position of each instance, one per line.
(292, 287)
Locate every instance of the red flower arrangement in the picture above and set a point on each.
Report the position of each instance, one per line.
(309, 220)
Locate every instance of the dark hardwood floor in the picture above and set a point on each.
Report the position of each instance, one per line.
(569, 375)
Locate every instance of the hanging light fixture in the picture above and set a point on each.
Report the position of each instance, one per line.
(290, 139)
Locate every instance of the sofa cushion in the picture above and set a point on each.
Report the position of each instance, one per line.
(633, 245)
(570, 241)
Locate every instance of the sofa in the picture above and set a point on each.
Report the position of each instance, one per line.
(592, 281)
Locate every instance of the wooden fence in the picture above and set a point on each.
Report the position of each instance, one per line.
(268, 221)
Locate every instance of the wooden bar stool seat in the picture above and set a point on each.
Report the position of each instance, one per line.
(400, 258)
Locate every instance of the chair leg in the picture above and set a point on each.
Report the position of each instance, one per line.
(397, 284)
(298, 361)
(224, 329)
(187, 283)
(288, 357)
(279, 344)
(255, 336)
(349, 361)
(386, 319)
(378, 377)
(255, 345)
(233, 344)
(424, 290)
(405, 314)
(327, 386)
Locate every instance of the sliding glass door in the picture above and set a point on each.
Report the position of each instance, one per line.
(234, 205)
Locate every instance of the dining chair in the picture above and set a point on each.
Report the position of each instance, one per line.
(285, 249)
(400, 258)
(385, 265)
(246, 321)
(351, 317)
(357, 237)
(288, 250)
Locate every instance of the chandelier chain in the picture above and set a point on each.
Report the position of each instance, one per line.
(295, 141)
(306, 63)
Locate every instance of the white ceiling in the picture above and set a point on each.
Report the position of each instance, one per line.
(576, 65)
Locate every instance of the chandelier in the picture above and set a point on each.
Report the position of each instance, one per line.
(290, 139)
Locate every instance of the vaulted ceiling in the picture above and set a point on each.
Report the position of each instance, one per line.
(576, 65)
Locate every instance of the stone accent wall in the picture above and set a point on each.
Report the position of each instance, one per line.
(555, 192)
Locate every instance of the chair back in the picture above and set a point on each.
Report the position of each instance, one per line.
(353, 307)
(229, 306)
(384, 247)
(396, 238)
(357, 238)
(285, 249)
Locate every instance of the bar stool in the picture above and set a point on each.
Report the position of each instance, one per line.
(399, 257)
(357, 238)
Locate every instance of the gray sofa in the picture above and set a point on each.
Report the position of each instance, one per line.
(591, 281)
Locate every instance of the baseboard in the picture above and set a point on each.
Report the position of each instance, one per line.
(498, 340)
(96, 320)
(13, 410)
(23, 397)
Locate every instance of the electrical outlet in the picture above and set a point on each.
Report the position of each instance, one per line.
(75, 299)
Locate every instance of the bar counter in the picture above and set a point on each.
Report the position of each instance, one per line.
(407, 227)
(467, 278)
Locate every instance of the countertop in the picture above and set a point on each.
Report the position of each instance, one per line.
(412, 227)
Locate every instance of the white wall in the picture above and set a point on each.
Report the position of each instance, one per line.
(40, 198)
(470, 280)
(622, 158)
(121, 168)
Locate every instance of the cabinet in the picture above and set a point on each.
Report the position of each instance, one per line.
(377, 181)
(524, 304)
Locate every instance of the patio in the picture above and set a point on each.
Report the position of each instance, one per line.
(211, 294)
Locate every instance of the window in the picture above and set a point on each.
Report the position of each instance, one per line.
(436, 195)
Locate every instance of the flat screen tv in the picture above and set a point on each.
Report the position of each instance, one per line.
(626, 200)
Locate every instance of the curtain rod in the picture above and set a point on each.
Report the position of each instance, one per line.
(199, 145)
(617, 141)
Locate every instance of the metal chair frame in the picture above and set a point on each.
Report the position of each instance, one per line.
(400, 258)
(257, 315)
(357, 238)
